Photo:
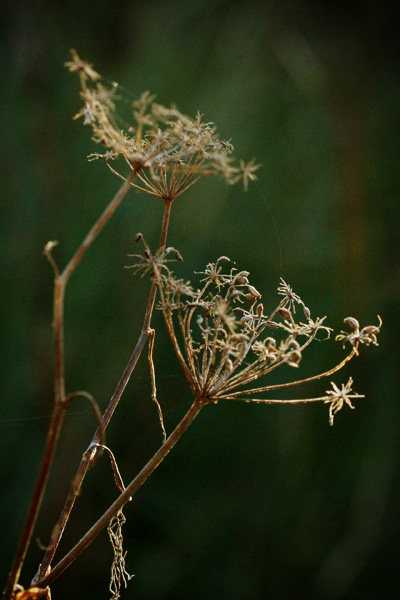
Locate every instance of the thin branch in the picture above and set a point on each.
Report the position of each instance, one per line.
(284, 401)
(58, 529)
(95, 408)
(130, 490)
(60, 283)
(98, 226)
(153, 383)
(117, 475)
(301, 381)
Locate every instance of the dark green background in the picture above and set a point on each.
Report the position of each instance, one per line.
(255, 502)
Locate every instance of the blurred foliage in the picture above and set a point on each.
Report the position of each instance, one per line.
(255, 502)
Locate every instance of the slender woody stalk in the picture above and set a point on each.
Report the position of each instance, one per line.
(60, 405)
(90, 452)
(129, 491)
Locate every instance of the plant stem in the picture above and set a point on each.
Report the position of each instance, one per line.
(58, 529)
(130, 490)
(59, 403)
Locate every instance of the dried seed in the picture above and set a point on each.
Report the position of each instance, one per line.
(294, 358)
(245, 319)
(235, 293)
(285, 314)
(294, 344)
(352, 322)
(178, 256)
(255, 293)
(138, 237)
(370, 329)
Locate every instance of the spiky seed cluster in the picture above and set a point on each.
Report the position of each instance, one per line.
(367, 335)
(169, 150)
(225, 341)
(228, 340)
(336, 398)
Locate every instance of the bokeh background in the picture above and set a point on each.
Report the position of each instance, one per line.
(255, 502)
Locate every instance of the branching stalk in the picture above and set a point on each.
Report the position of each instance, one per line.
(60, 283)
(130, 490)
(89, 454)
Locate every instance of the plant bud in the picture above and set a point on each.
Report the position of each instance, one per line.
(138, 237)
(223, 259)
(260, 310)
(307, 312)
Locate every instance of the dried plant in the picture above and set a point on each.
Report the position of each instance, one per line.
(225, 340)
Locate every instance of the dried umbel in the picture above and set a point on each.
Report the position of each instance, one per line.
(168, 150)
(225, 341)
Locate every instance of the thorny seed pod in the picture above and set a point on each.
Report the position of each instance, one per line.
(352, 322)
(285, 314)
